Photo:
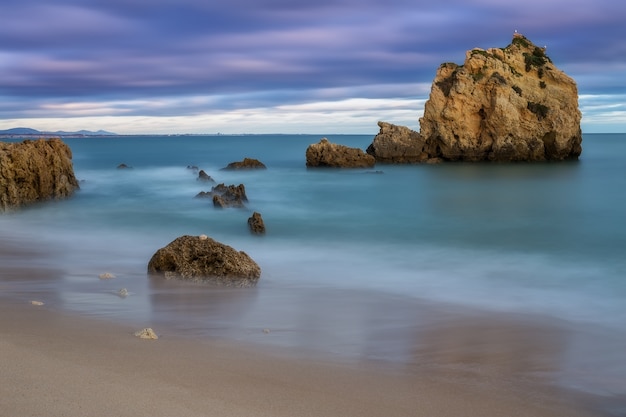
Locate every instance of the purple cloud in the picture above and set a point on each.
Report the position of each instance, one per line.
(274, 52)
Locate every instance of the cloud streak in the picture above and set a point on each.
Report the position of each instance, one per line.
(197, 62)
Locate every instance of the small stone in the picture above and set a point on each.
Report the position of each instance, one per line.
(123, 293)
(256, 224)
(203, 237)
(146, 333)
(106, 275)
(37, 303)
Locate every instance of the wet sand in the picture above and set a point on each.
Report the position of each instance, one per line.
(54, 363)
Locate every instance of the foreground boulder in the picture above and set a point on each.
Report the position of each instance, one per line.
(247, 163)
(35, 170)
(502, 104)
(327, 154)
(202, 259)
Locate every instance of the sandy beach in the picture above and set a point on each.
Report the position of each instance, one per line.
(55, 364)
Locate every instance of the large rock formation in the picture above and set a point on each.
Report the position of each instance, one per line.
(327, 154)
(202, 259)
(502, 104)
(35, 170)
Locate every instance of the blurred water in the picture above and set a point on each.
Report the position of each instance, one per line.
(544, 239)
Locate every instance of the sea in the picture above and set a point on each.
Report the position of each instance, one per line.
(356, 263)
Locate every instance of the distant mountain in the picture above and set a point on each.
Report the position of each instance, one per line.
(26, 131)
(20, 131)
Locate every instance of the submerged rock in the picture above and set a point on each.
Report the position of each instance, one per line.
(502, 104)
(327, 154)
(256, 224)
(35, 170)
(202, 259)
(203, 176)
(229, 196)
(247, 163)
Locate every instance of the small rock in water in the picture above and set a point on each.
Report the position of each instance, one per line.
(37, 303)
(123, 293)
(146, 333)
(266, 331)
(106, 275)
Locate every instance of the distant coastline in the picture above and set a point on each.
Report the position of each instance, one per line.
(26, 132)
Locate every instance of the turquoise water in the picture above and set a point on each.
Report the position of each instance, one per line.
(537, 239)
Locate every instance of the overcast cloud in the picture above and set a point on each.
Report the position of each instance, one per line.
(198, 66)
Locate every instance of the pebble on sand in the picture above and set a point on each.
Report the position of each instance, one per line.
(146, 333)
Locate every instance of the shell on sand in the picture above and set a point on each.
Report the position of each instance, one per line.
(37, 303)
(146, 333)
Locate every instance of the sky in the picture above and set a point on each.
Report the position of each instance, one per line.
(279, 66)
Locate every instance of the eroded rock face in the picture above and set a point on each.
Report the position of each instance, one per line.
(327, 154)
(502, 104)
(229, 196)
(35, 170)
(398, 145)
(202, 259)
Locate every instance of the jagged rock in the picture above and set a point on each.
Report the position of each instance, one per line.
(204, 194)
(502, 104)
(124, 166)
(327, 154)
(398, 145)
(203, 259)
(247, 163)
(256, 224)
(203, 176)
(35, 170)
(229, 196)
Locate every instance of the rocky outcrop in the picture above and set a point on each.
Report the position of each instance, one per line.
(502, 104)
(204, 177)
(247, 163)
(229, 196)
(202, 259)
(398, 145)
(35, 170)
(327, 154)
(256, 224)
